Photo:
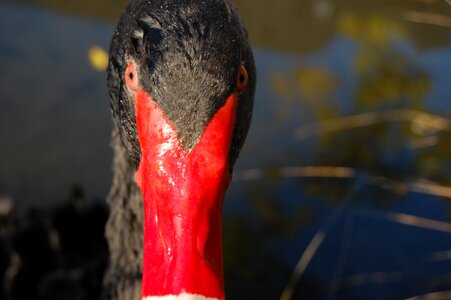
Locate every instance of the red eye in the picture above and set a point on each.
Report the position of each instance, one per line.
(131, 77)
(241, 80)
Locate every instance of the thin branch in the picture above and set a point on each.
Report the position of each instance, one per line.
(342, 255)
(315, 243)
(426, 142)
(289, 172)
(367, 119)
(319, 171)
(407, 219)
(248, 175)
(428, 18)
(433, 296)
(420, 222)
(421, 186)
(302, 265)
(439, 256)
(371, 278)
(430, 188)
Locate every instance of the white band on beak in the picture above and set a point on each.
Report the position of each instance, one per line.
(182, 296)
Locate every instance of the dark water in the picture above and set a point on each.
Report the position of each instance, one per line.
(347, 168)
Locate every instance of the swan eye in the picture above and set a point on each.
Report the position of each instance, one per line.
(241, 80)
(131, 77)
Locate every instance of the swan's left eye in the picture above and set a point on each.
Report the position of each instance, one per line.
(131, 77)
(241, 80)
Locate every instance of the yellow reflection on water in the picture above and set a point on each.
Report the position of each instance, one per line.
(98, 58)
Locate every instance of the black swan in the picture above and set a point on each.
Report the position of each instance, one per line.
(181, 79)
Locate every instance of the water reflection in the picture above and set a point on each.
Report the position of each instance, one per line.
(53, 114)
(346, 173)
(302, 26)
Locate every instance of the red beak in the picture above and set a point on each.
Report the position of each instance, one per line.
(183, 192)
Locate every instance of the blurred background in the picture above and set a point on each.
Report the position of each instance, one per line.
(342, 191)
